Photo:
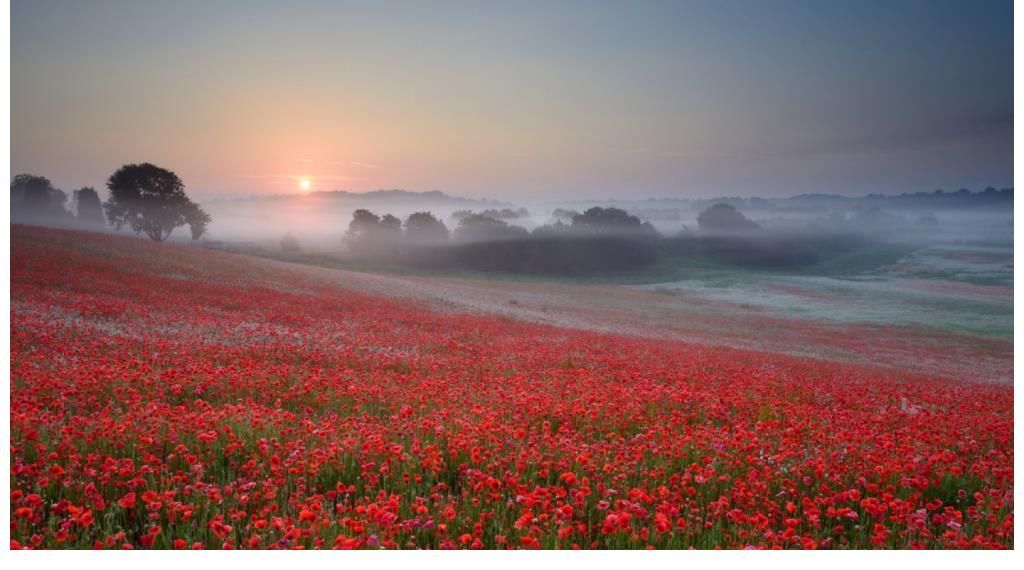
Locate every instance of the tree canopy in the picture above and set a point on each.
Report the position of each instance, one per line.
(724, 217)
(90, 210)
(35, 200)
(422, 228)
(152, 200)
(478, 227)
(610, 221)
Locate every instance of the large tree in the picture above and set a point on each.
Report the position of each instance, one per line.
(34, 199)
(197, 220)
(369, 233)
(478, 227)
(422, 228)
(362, 230)
(611, 221)
(152, 200)
(390, 227)
(90, 210)
(724, 218)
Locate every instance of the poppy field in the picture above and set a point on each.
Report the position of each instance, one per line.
(172, 397)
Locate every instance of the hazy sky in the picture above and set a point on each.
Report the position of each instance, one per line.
(528, 100)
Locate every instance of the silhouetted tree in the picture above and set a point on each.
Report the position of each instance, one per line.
(725, 218)
(505, 213)
(197, 220)
(362, 230)
(557, 229)
(477, 227)
(152, 200)
(457, 215)
(369, 233)
(34, 199)
(502, 214)
(90, 210)
(422, 228)
(33, 191)
(562, 214)
(390, 226)
(363, 222)
(389, 235)
(610, 221)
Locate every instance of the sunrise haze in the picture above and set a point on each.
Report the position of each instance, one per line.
(518, 100)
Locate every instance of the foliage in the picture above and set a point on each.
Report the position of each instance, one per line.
(152, 200)
(422, 228)
(478, 227)
(35, 200)
(724, 218)
(90, 210)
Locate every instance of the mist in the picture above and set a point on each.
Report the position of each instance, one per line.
(762, 232)
(570, 238)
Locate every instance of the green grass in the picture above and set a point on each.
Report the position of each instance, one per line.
(861, 260)
(672, 265)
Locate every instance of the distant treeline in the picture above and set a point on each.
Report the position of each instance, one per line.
(34, 200)
(677, 209)
(598, 240)
(502, 214)
(151, 201)
(935, 200)
(610, 241)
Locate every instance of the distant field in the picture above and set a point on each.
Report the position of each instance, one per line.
(944, 310)
(955, 289)
(166, 396)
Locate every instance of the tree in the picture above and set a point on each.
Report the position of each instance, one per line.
(561, 214)
(457, 215)
(422, 228)
(724, 217)
(611, 221)
(152, 200)
(362, 229)
(504, 213)
(90, 210)
(388, 236)
(390, 227)
(477, 227)
(197, 220)
(369, 233)
(33, 191)
(34, 199)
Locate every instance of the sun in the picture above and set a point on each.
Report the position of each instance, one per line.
(305, 184)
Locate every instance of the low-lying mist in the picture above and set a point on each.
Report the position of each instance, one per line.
(434, 230)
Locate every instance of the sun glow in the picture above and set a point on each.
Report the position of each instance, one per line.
(305, 184)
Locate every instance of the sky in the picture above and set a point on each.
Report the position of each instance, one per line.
(526, 100)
